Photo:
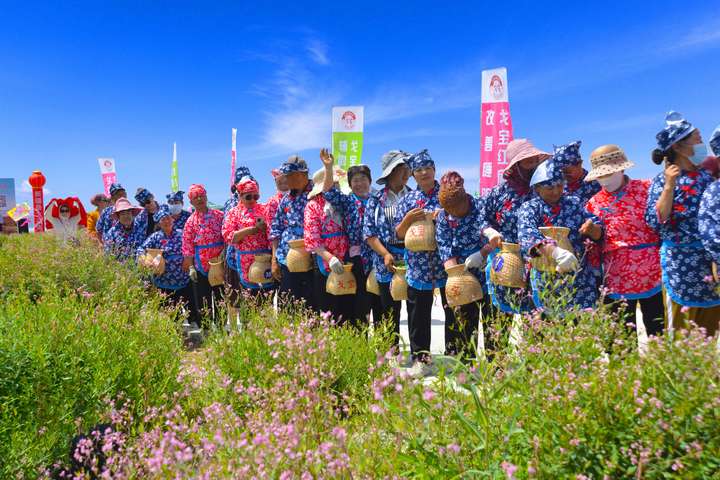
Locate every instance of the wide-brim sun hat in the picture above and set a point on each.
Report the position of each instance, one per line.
(339, 176)
(123, 205)
(521, 149)
(389, 162)
(607, 159)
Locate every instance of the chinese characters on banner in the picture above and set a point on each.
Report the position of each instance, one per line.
(495, 128)
(107, 170)
(347, 135)
(7, 196)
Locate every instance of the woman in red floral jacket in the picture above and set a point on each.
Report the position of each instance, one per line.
(630, 248)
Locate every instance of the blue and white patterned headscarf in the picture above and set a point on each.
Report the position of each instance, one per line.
(175, 196)
(420, 160)
(162, 212)
(115, 187)
(547, 174)
(715, 142)
(294, 163)
(567, 155)
(240, 172)
(142, 195)
(676, 128)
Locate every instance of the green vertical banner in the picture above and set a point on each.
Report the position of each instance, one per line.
(347, 135)
(174, 177)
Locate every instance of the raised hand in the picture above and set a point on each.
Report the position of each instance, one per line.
(326, 157)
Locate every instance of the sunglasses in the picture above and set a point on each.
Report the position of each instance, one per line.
(251, 196)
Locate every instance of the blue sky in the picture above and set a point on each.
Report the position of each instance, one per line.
(127, 79)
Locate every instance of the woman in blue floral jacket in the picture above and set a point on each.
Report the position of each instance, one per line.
(459, 239)
(672, 209)
(551, 208)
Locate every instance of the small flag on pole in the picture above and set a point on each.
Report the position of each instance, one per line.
(174, 177)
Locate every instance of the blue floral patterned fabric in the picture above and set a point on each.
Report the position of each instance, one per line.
(460, 237)
(420, 160)
(500, 211)
(105, 221)
(174, 278)
(352, 209)
(142, 196)
(376, 224)
(676, 128)
(182, 218)
(140, 225)
(709, 221)
(121, 242)
(582, 189)
(685, 263)
(425, 270)
(288, 223)
(583, 286)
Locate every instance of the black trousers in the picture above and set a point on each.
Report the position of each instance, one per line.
(419, 306)
(459, 336)
(205, 298)
(296, 286)
(389, 311)
(182, 296)
(652, 309)
(364, 302)
(340, 306)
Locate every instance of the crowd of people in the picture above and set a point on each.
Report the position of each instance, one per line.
(550, 229)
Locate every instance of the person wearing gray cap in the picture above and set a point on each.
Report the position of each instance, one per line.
(287, 225)
(379, 229)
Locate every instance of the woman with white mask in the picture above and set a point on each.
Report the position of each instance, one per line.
(672, 210)
(630, 248)
(175, 204)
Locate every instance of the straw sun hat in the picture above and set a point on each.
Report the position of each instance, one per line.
(606, 160)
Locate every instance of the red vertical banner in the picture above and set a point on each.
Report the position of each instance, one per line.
(233, 156)
(495, 128)
(37, 182)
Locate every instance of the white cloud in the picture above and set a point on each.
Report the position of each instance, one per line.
(318, 52)
(300, 93)
(27, 188)
(295, 130)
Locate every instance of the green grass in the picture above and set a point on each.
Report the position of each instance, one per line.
(76, 330)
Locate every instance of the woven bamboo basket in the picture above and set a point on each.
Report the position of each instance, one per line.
(148, 260)
(508, 268)
(462, 287)
(398, 284)
(420, 237)
(372, 285)
(298, 259)
(561, 236)
(216, 275)
(341, 283)
(260, 269)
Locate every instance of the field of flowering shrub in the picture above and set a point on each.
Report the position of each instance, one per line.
(86, 348)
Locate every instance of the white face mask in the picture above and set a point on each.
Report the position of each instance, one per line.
(613, 182)
(175, 208)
